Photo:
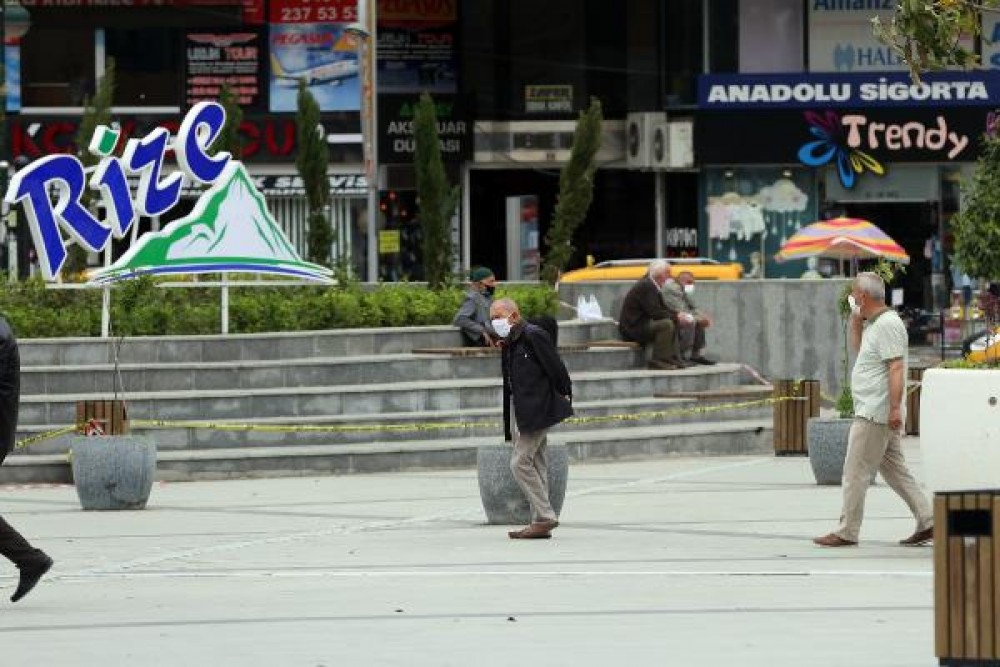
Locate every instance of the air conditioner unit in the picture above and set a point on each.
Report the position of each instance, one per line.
(639, 138)
(672, 145)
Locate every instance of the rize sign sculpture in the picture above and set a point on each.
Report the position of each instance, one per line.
(230, 229)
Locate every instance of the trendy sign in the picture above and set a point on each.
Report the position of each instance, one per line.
(793, 91)
(229, 230)
(853, 141)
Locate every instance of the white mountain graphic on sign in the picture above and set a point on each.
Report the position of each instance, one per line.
(229, 230)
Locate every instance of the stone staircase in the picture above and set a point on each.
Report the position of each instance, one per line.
(361, 401)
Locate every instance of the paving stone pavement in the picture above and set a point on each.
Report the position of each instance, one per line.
(680, 561)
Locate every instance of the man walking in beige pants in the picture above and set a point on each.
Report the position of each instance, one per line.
(878, 383)
(538, 394)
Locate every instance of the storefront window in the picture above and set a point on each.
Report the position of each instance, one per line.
(749, 213)
(771, 36)
(146, 61)
(57, 67)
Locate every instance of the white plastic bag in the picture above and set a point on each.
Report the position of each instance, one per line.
(588, 309)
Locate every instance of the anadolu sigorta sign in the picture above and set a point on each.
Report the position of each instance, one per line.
(229, 230)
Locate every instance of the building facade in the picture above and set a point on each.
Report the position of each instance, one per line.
(729, 124)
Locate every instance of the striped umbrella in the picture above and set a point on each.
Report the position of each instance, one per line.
(842, 238)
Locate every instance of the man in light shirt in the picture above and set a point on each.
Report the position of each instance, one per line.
(878, 384)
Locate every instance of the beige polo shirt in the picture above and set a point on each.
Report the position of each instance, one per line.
(882, 340)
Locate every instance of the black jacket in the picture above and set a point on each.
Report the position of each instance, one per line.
(537, 378)
(10, 388)
(643, 304)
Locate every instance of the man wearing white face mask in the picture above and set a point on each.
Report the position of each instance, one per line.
(691, 323)
(878, 382)
(537, 396)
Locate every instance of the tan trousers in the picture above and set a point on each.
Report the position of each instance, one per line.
(532, 474)
(873, 447)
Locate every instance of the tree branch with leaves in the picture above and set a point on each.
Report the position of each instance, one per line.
(312, 162)
(437, 197)
(933, 34)
(576, 191)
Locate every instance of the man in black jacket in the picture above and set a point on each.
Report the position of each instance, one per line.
(33, 563)
(645, 318)
(537, 395)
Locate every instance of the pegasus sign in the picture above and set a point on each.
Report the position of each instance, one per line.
(229, 230)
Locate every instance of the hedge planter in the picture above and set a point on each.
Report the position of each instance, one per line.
(502, 498)
(113, 472)
(960, 429)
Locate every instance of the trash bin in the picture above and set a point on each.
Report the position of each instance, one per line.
(797, 401)
(967, 578)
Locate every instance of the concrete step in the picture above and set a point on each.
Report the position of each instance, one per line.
(293, 373)
(281, 345)
(360, 428)
(729, 438)
(454, 394)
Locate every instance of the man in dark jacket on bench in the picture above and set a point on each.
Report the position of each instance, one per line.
(645, 318)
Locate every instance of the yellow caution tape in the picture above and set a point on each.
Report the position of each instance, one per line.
(416, 427)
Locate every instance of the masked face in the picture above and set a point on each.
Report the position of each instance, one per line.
(489, 290)
(502, 326)
(689, 288)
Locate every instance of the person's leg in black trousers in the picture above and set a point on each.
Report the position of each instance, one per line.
(33, 563)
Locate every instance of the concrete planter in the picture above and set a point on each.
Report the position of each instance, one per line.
(113, 472)
(826, 439)
(960, 429)
(502, 497)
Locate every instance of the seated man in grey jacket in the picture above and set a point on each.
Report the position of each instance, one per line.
(691, 323)
(473, 316)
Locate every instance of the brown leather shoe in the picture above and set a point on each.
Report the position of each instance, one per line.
(918, 538)
(657, 365)
(834, 540)
(538, 530)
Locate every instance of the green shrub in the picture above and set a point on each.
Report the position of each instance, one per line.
(143, 308)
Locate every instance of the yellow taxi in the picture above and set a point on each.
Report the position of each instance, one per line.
(701, 268)
(986, 348)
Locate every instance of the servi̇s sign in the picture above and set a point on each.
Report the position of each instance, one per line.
(229, 230)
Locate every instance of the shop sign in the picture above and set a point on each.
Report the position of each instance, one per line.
(388, 241)
(548, 99)
(308, 41)
(269, 139)
(229, 230)
(224, 58)
(841, 37)
(417, 46)
(290, 185)
(395, 118)
(130, 3)
(794, 91)
(853, 142)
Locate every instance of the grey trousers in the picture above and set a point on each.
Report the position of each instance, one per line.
(871, 447)
(690, 339)
(532, 474)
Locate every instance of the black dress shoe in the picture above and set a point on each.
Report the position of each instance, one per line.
(31, 572)
(703, 361)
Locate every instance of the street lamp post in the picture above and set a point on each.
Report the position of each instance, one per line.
(14, 23)
(365, 32)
